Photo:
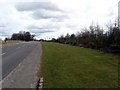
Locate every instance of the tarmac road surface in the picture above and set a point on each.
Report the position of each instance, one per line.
(12, 55)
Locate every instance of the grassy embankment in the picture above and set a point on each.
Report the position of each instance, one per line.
(65, 66)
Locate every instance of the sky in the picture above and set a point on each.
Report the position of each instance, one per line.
(52, 18)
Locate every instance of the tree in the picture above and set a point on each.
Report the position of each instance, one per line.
(22, 35)
(27, 36)
(96, 38)
(15, 36)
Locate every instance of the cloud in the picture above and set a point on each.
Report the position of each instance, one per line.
(44, 14)
(54, 17)
(36, 30)
(3, 30)
(42, 10)
(2, 25)
(4, 33)
(33, 27)
(31, 6)
(47, 26)
(112, 13)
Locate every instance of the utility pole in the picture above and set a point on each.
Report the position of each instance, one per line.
(119, 14)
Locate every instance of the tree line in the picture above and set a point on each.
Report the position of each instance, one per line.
(22, 35)
(95, 37)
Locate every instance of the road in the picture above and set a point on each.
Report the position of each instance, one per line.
(14, 54)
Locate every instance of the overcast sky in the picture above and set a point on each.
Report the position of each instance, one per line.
(52, 18)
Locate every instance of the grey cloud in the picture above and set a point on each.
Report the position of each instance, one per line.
(72, 26)
(38, 32)
(3, 30)
(42, 14)
(5, 33)
(112, 13)
(42, 10)
(33, 27)
(48, 26)
(31, 6)
(36, 29)
(1, 26)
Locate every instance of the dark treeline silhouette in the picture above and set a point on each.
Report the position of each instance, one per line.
(22, 35)
(95, 38)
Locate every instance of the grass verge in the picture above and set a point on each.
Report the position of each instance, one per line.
(65, 66)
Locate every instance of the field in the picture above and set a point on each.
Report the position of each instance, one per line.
(9, 42)
(65, 66)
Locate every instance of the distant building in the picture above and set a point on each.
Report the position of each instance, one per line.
(119, 14)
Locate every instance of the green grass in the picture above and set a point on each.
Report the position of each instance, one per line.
(65, 66)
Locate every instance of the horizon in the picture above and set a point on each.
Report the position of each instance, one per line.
(53, 18)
